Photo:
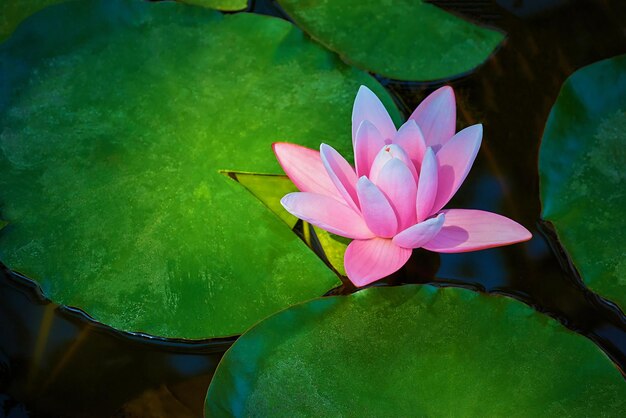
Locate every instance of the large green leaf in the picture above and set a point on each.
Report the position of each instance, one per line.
(114, 132)
(581, 165)
(400, 39)
(414, 351)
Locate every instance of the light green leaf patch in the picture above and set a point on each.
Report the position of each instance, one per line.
(114, 133)
(226, 5)
(269, 189)
(414, 351)
(581, 167)
(399, 39)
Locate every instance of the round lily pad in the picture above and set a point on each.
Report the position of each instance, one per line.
(399, 39)
(114, 136)
(414, 351)
(581, 167)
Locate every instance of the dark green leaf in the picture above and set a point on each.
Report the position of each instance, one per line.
(581, 166)
(400, 39)
(414, 351)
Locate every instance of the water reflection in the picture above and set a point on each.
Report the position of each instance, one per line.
(60, 364)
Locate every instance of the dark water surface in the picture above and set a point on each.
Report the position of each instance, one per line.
(55, 362)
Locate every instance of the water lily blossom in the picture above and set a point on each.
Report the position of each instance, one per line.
(392, 201)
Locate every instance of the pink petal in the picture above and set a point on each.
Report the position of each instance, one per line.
(373, 259)
(341, 173)
(327, 213)
(385, 155)
(367, 143)
(419, 234)
(470, 230)
(455, 160)
(426, 186)
(397, 183)
(368, 107)
(377, 212)
(305, 169)
(410, 139)
(436, 117)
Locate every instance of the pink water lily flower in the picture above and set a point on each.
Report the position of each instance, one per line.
(392, 201)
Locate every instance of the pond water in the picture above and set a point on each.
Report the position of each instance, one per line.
(56, 362)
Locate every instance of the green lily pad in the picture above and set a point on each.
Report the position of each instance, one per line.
(114, 135)
(414, 351)
(400, 39)
(581, 167)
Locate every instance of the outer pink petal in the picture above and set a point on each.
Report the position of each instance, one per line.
(368, 107)
(397, 183)
(470, 230)
(305, 169)
(341, 173)
(427, 186)
(385, 155)
(455, 160)
(377, 212)
(436, 117)
(370, 260)
(410, 138)
(419, 234)
(368, 142)
(327, 213)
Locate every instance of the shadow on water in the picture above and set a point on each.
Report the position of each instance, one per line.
(57, 362)
(55, 359)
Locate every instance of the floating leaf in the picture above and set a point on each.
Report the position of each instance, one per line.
(414, 351)
(400, 39)
(114, 135)
(581, 167)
